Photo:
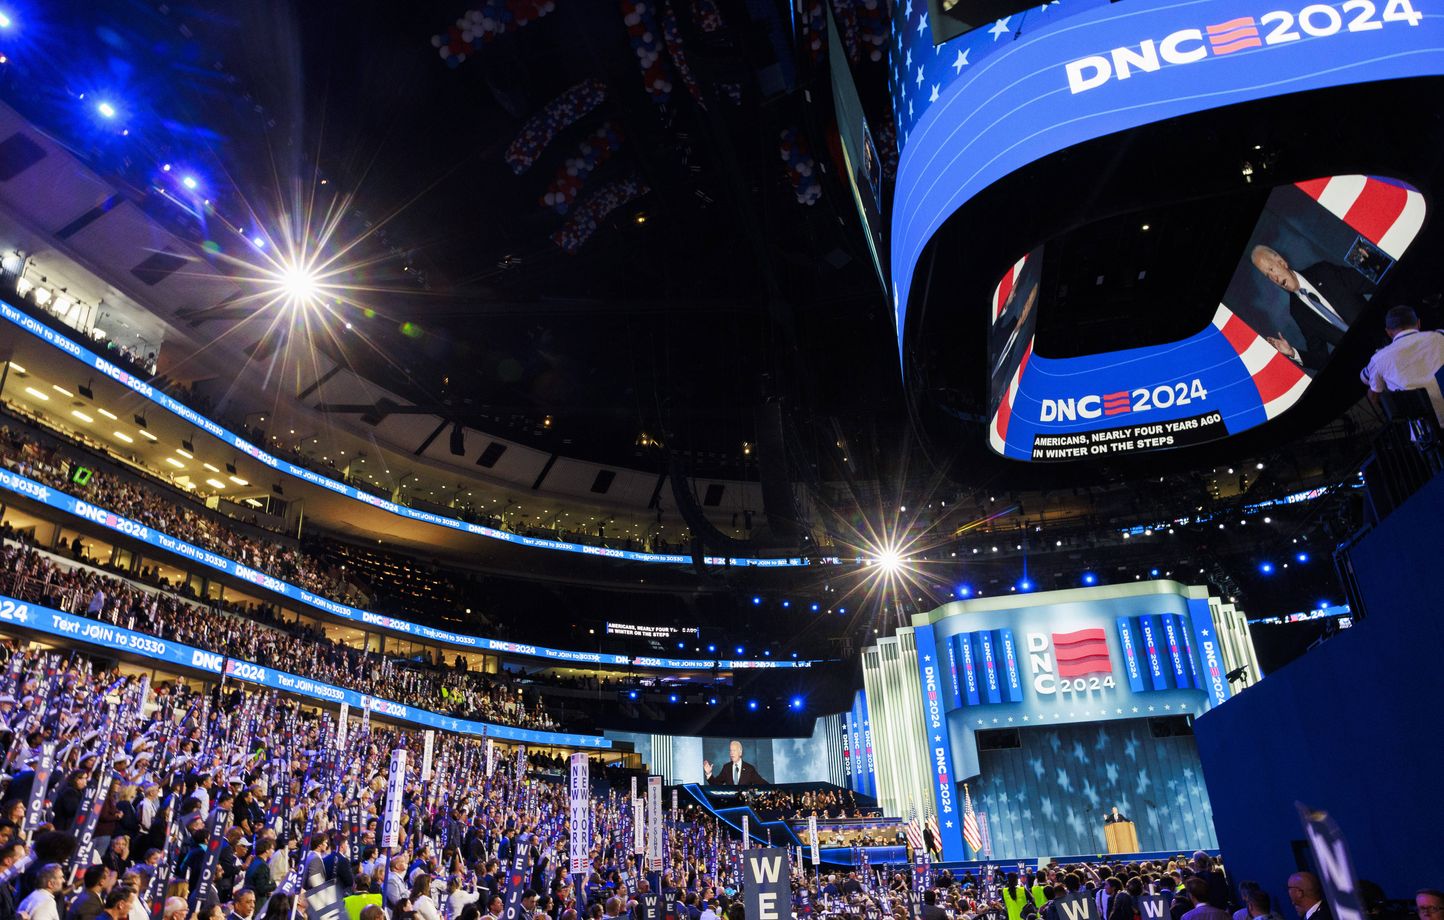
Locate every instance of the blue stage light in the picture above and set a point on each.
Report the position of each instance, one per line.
(797, 702)
(756, 601)
(711, 648)
(814, 608)
(1323, 605)
(672, 698)
(1302, 557)
(105, 109)
(190, 182)
(965, 591)
(631, 694)
(794, 654)
(739, 649)
(5, 21)
(787, 603)
(1266, 567)
(1089, 578)
(1153, 572)
(259, 242)
(752, 705)
(767, 653)
(1025, 585)
(712, 701)
(681, 645)
(842, 610)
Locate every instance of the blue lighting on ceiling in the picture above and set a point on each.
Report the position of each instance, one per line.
(1025, 585)
(1089, 578)
(965, 591)
(752, 705)
(796, 702)
(756, 601)
(1266, 567)
(1302, 557)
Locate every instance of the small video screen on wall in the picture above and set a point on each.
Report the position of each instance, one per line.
(1317, 254)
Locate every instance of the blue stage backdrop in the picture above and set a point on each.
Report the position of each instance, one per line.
(1050, 794)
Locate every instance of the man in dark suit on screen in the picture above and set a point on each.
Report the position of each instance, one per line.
(736, 772)
(1324, 301)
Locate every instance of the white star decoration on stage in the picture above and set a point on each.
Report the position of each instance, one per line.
(1000, 28)
(933, 96)
(961, 61)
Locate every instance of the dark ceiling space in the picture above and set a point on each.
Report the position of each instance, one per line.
(702, 297)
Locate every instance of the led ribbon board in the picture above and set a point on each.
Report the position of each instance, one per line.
(1058, 80)
(94, 514)
(192, 417)
(118, 639)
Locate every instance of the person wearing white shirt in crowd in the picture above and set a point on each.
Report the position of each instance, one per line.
(421, 901)
(40, 904)
(458, 897)
(1410, 361)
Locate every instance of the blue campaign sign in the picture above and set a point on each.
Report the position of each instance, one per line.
(767, 884)
(160, 398)
(1000, 98)
(939, 743)
(118, 639)
(1128, 643)
(94, 514)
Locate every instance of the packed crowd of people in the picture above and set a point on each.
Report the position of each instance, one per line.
(142, 800)
(872, 834)
(256, 634)
(774, 802)
(121, 788)
(175, 518)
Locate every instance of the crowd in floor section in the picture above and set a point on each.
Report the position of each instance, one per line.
(138, 800)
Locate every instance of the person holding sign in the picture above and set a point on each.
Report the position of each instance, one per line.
(736, 772)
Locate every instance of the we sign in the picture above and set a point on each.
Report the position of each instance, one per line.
(767, 884)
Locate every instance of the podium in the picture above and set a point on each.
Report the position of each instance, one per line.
(1121, 837)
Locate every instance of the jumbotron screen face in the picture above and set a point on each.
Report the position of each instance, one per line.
(1316, 255)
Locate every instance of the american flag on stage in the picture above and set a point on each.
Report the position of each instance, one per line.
(914, 830)
(971, 835)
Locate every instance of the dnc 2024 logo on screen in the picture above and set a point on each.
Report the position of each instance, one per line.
(1277, 27)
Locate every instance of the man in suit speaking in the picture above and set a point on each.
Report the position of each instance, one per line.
(736, 772)
(1324, 301)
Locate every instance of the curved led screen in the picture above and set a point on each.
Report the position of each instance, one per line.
(1317, 252)
(975, 109)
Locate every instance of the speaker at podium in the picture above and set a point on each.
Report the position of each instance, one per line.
(1120, 835)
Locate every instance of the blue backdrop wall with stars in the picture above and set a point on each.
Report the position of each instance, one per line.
(1049, 796)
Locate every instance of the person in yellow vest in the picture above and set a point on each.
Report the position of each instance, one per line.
(1015, 897)
(1035, 888)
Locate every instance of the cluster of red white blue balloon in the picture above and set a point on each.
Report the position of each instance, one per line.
(477, 27)
(595, 150)
(585, 219)
(863, 26)
(706, 16)
(673, 37)
(814, 29)
(801, 167)
(562, 112)
(641, 22)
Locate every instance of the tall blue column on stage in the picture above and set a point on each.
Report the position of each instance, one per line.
(940, 749)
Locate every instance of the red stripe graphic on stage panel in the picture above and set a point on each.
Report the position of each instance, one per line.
(1234, 35)
(1082, 653)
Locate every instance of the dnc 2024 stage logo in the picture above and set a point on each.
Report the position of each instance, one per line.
(1071, 662)
(1278, 27)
